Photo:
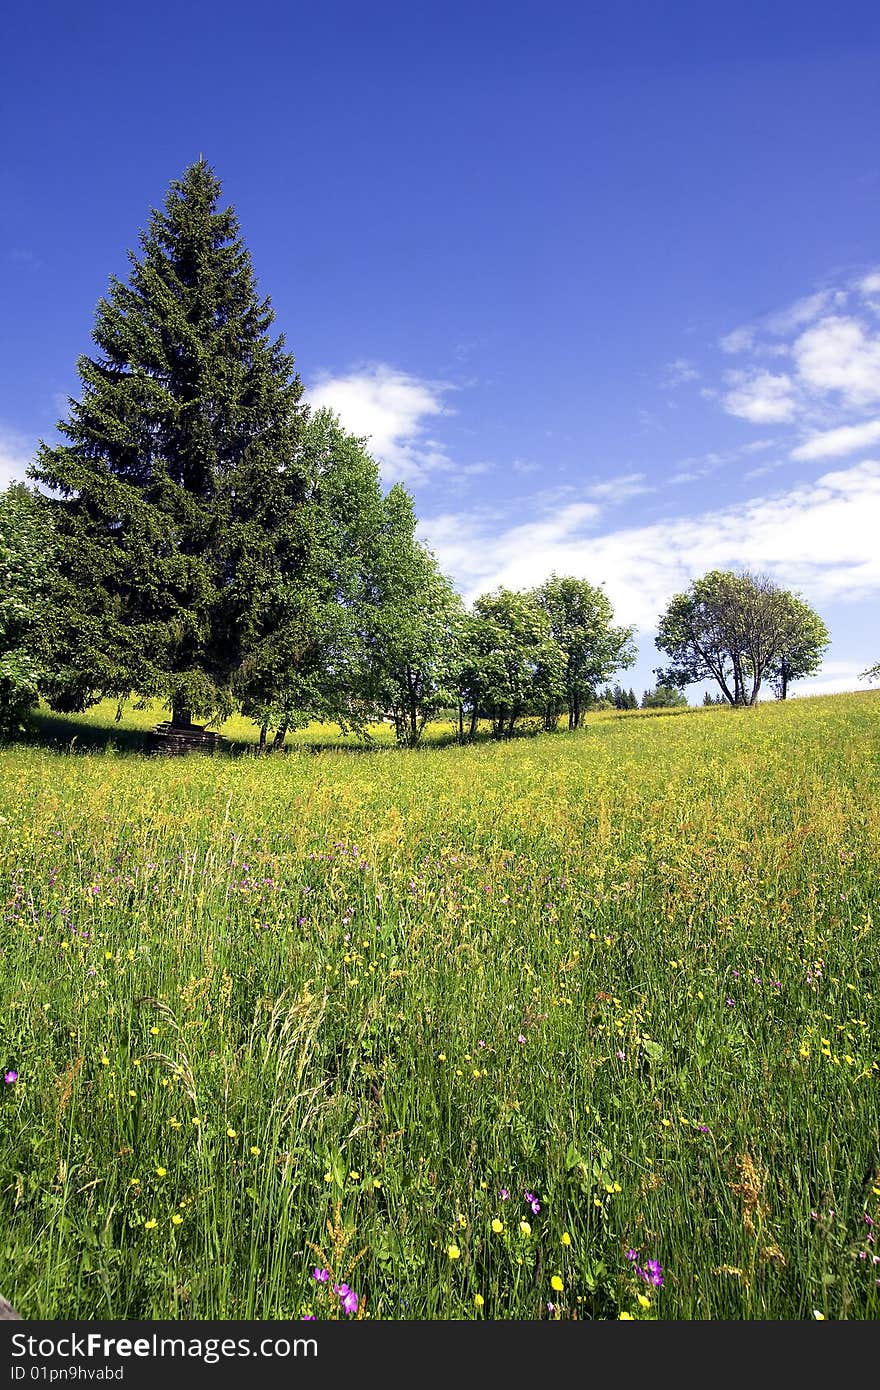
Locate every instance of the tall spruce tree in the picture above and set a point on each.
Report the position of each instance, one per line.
(180, 458)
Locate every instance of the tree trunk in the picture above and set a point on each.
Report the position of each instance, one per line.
(280, 736)
(263, 732)
(460, 722)
(181, 717)
(473, 728)
(413, 732)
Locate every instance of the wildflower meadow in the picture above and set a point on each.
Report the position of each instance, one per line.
(568, 1026)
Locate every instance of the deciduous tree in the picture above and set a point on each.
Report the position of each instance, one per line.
(511, 663)
(581, 622)
(26, 572)
(736, 629)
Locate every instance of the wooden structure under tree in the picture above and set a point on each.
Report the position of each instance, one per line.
(181, 735)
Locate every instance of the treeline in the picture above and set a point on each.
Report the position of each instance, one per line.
(201, 537)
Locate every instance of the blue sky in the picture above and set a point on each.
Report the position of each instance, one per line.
(601, 282)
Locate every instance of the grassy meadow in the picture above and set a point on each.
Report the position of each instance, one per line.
(343, 1011)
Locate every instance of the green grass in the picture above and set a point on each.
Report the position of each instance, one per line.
(341, 1002)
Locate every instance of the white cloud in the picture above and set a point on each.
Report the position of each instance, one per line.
(837, 354)
(470, 549)
(16, 453)
(760, 397)
(805, 310)
(846, 439)
(836, 677)
(739, 340)
(819, 539)
(393, 410)
(615, 490)
(678, 372)
(871, 283)
(781, 323)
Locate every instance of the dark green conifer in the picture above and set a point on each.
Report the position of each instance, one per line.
(180, 460)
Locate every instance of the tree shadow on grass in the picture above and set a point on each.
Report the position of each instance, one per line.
(56, 731)
(64, 734)
(74, 734)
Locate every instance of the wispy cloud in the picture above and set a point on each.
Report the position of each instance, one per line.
(393, 410)
(616, 490)
(16, 453)
(678, 372)
(870, 285)
(819, 538)
(836, 677)
(832, 365)
(836, 443)
(782, 322)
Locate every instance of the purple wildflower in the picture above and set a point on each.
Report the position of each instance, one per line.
(653, 1272)
(322, 1275)
(347, 1297)
(521, 1038)
(10, 1078)
(729, 1003)
(533, 1202)
(631, 1255)
(503, 1194)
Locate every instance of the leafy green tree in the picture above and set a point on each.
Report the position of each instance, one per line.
(180, 457)
(872, 673)
(664, 697)
(308, 653)
(804, 640)
(511, 663)
(26, 573)
(358, 621)
(734, 629)
(415, 640)
(581, 623)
